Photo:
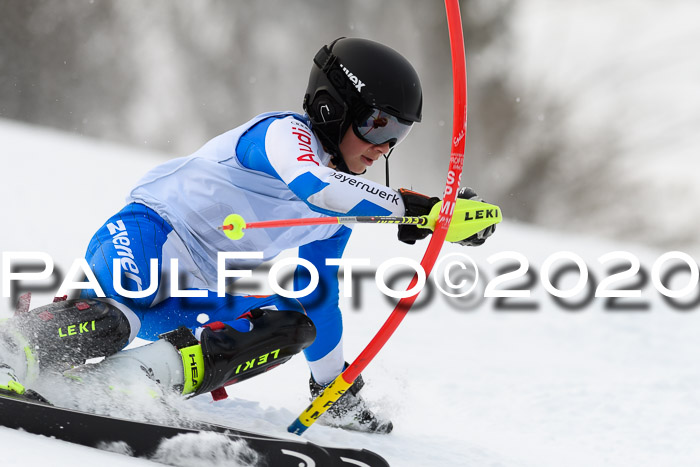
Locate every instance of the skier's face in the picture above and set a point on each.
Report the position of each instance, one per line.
(359, 154)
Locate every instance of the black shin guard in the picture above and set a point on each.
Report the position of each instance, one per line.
(66, 333)
(231, 356)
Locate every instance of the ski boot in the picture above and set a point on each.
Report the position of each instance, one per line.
(11, 387)
(9, 384)
(53, 338)
(230, 356)
(224, 356)
(15, 352)
(351, 410)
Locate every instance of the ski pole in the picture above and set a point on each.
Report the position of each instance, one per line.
(469, 217)
(234, 223)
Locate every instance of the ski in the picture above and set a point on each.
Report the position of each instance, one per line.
(143, 438)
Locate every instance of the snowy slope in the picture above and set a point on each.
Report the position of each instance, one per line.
(482, 386)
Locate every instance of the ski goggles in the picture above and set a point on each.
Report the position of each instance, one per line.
(380, 128)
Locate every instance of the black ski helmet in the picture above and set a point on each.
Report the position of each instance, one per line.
(351, 78)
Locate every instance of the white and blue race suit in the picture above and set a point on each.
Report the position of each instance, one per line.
(272, 167)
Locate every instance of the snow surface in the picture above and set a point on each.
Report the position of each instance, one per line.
(475, 387)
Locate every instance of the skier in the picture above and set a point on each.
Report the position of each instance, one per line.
(361, 101)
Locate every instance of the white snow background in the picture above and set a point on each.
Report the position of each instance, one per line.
(468, 387)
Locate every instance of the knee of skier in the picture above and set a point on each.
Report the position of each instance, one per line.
(135, 285)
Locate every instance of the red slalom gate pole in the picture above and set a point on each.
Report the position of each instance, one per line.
(459, 130)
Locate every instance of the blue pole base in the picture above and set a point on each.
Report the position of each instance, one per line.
(297, 427)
